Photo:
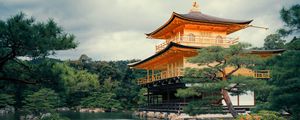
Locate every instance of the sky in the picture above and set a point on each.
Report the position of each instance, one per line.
(115, 29)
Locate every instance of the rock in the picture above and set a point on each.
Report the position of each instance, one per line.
(144, 113)
(97, 110)
(150, 115)
(83, 110)
(63, 109)
(172, 116)
(91, 110)
(2, 112)
(157, 114)
(184, 116)
(163, 115)
(45, 115)
(7, 109)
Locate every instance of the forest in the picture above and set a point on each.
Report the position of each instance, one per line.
(34, 83)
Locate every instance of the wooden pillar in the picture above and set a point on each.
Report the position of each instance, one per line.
(179, 39)
(168, 95)
(167, 74)
(172, 70)
(151, 97)
(254, 100)
(238, 100)
(176, 69)
(148, 79)
(153, 75)
(148, 99)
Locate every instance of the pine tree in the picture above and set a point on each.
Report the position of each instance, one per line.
(214, 80)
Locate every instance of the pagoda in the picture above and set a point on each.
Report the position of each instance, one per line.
(182, 35)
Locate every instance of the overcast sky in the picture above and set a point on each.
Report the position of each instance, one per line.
(114, 29)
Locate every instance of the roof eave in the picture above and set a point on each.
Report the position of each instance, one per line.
(174, 14)
(172, 44)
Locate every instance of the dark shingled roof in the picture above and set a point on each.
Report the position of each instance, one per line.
(201, 18)
(198, 16)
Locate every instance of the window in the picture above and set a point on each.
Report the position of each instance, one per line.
(191, 37)
(219, 39)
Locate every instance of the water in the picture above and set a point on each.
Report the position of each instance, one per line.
(87, 116)
(99, 116)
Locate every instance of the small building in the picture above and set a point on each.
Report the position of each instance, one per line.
(183, 34)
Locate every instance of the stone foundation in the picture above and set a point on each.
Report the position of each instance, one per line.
(180, 116)
(7, 110)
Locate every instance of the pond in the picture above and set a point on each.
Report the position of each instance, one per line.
(87, 116)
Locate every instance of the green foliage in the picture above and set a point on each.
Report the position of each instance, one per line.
(262, 97)
(294, 44)
(105, 98)
(73, 81)
(41, 102)
(26, 37)
(291, 18)
(115, 72)
(270, 115)
(142, 100)
(208, 81)
(286, 95)
(274, 41)
(101, 100)
(184, 93)
(76, 80)
(77, 84)
(262, 115)
(6, 100)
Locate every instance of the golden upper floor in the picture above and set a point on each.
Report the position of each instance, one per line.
(197, 29)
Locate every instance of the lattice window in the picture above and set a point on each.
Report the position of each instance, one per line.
(219, 39)
(191, 37)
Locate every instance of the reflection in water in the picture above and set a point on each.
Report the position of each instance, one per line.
(86, 116)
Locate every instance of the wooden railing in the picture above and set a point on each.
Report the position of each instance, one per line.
(160, 76)
(179, 72)
(199, 41)
(262, 74)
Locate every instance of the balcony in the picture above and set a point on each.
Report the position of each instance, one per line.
(199, 41)
(178, 72)
(262, 74)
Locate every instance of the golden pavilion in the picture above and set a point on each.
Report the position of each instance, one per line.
(182, 35)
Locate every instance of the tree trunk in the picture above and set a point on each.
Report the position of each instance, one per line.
(227, 99)
(229, 103)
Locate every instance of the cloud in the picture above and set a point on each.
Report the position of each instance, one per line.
(114, 29)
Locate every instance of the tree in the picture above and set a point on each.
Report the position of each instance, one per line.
(285, 68)
(291, 18)
(104, 98)
(77, 84)
(274, 41)
(41, 102)
(6, 100)
(24, 37)
(212, 78)
(285, 77)
(294, 44)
